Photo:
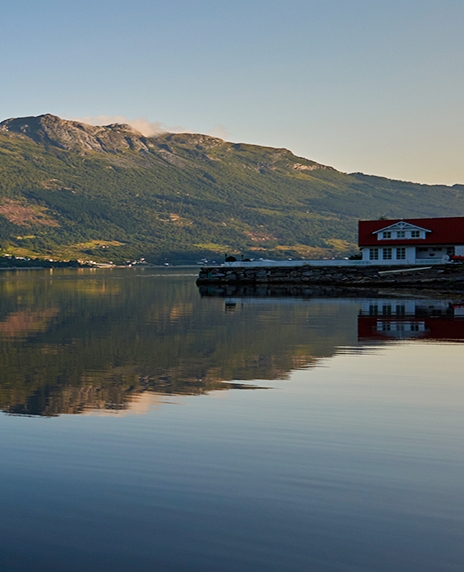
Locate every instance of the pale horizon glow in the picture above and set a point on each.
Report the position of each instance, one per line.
(362, 86)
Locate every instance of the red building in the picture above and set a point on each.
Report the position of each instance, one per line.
(411, 241)
(399, 319)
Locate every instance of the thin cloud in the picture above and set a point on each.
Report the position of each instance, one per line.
(220, 131)
(147, 128)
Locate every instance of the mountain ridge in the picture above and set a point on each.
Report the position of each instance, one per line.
(111, 138)
(72, 135)
(72, 190)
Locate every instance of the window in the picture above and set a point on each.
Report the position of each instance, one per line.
(415, 234)
(387, 310)
(387, 234)
(400, 310)
(400, 234)
(401, 253)
(373, 310)
(373, 253)
(387, 253)
(450, 250)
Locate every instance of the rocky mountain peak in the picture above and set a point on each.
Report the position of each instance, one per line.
(76, 136)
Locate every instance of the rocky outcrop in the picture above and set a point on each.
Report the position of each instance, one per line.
(76, 136)
(447, 277)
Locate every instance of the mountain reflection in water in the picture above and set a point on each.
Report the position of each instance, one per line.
(78, 340)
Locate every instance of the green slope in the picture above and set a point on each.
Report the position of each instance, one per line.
(117, 195)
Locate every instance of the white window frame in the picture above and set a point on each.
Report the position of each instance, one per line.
(387, 253)
(401, 253)
(401, 231)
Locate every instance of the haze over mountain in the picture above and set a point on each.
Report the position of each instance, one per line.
(71, 190)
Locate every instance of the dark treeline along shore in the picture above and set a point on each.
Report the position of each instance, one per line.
(9, 262)
(73, 191)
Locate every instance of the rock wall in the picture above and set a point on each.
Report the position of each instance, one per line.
(445, 277)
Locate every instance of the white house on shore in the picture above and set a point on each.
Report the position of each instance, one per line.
(422, 241)
(411, 241)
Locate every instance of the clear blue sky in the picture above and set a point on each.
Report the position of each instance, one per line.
(363, 85)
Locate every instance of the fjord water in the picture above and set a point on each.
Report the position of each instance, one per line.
(148, 428)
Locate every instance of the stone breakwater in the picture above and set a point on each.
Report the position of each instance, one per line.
(447, 277)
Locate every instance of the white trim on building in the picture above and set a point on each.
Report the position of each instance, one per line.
(402, 252)
(401, 230)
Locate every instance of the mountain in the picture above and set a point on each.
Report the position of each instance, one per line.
(71, 190)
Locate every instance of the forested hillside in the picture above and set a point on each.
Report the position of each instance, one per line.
(70, 190)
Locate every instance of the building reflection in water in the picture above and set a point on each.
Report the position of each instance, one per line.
(400, 319)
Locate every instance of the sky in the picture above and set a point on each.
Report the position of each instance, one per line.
(373, 86)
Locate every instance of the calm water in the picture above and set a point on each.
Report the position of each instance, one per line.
(148, 428)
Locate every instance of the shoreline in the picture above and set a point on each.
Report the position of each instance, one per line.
(444, 277)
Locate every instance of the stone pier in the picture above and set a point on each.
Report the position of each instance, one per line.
(437, 277)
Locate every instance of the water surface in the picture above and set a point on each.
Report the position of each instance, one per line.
(148, 428)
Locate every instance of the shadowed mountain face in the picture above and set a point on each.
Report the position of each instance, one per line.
(74, 341)
(71, 190)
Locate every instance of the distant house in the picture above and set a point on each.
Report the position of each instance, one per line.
(411, 241)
